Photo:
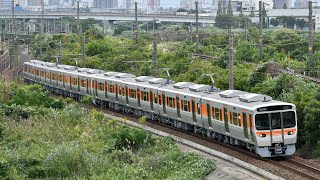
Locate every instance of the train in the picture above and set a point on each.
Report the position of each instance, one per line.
(254, 121)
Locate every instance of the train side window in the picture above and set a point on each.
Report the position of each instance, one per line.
(235, 119)
(170, 102)
(217, 114)
(106, 86)
(155, 98)
(133, 93)
(186, 106)
(120, 90)
(101, 86)
(160, 100)
(198, 108)
(110, 88)
(75, 81)
(60, 78)
(144, 96)
(174, 102)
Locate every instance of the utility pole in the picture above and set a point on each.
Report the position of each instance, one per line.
(83, 52)
(197, 30)
(78, 18)
(11, 48)
(136, 22)
(260, 29)
(60, 52)
(231, 83)
(155, 47)
(60, 25)
(42, 28)
(246, 29)
(310, 39)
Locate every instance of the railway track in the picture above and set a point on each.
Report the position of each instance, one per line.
(299, 168)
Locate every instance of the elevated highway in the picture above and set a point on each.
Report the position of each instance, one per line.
(111, 16)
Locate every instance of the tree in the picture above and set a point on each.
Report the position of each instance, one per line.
(230, 13)
(301, 23)
(224, 7)
(225, 21)
(219, 11)
(274, 22)
(182, 10)
(312, 121)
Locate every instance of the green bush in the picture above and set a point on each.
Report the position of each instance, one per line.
(67, 160)
(143, 120)
(4, 168)
(31, 95)
(17, 111)
(130, 138)
(87, 99)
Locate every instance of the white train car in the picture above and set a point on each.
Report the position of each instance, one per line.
(263, 125)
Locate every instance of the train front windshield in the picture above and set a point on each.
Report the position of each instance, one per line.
(288, 119)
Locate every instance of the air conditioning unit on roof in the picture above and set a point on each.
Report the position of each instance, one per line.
(231, 93)
(252, 97)
(157, 81)
(143, 78)
(124, 75)
(182, 85)
(199, 88)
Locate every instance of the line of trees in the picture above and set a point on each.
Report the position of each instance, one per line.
(289, 22)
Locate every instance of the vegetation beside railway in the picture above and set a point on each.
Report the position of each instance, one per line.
(283, 48)
(42, 137)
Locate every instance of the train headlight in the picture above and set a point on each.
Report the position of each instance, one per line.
(262, 135)
(290, 133)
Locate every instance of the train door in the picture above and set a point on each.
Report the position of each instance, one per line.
(209, 115)
(70, 82)
(117, 92)
(193, 109)
(127, 97)
(245, 125)
(78, 83)
(251, 131)
(226, 123)
(64, 81)
(92, 87)
(178, 107)
(164, 103)
(106, 90)
(97, 86)
(151, 100)
(87, 84)
(138, 97)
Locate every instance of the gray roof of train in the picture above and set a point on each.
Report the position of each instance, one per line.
(212, 96)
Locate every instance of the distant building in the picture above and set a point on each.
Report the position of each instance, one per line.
(129, 4)
(54, 2)
(34, 3)
(5, 4)
(108, 4)
(301, 4)
(153, 4)
(190, 4)
(280, 4)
